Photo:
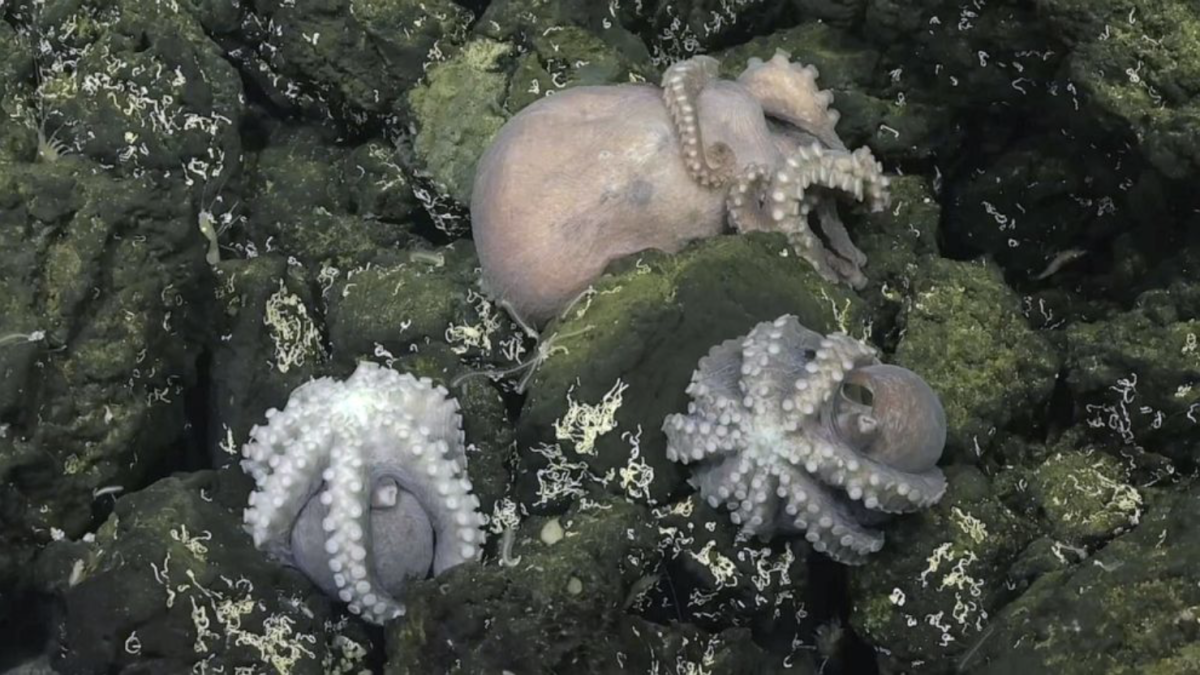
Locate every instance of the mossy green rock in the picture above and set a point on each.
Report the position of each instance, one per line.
(561, 602)
(347, 57)
(569, 56)
(272, 340)
(162, 101)
(171, 582)
(899, 238)
(1085, 498)
(941, 574)
(404, 300)
(964, 334)
(305, 194)
(109, 275)
(1128, 610)
(524, 21)
(1136, 375)
(645, 326)
(459, 109)
(842, 61)
(1139, 64)
(555, 607)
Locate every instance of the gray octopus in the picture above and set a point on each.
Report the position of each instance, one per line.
(795, 432)
(591, 174)
(362, 485)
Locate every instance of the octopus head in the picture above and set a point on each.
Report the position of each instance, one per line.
(890, 414)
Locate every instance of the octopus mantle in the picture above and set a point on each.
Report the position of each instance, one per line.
(591, 174)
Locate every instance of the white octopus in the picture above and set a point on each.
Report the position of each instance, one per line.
(362, 485)
(794, 432)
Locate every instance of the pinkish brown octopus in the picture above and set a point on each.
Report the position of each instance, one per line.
(591, 174)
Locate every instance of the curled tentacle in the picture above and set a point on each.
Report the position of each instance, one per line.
(743, 203)
(682, 83)
(803, 174)
(782, 200)
(788, 92)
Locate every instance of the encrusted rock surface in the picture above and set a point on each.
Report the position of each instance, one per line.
(204, 205)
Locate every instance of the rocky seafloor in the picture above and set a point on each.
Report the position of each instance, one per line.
(206, 203)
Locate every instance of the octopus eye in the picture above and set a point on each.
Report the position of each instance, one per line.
(858, 394)
(857, 421)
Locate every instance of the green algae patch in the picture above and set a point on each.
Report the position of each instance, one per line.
(400, 301)
(898, 239)
(626, 350)
(459, 110)
(941, 574)
(562, 604)
(566, 57)
(272, 341)
(1130, 609)
(549, 606)
(340, 59)
(309, 201)
(1085, 497)
(1139, 64)
(171, 583)
(106, 276)
(1136, 375)
(964, 334)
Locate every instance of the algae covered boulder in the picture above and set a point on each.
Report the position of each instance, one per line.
(1136, 374)
(407, 299)
(324, 205)
(898, 239)
(553, 600)
(347, 59)
(933, 589)
(562, 596)
(1129, 609)
(963, 332)
(1144, 87)
(171, 583)
(619, 360)
(163, 102)
(1085, 497)
(101, 322)
(459, 108)
(272, 341)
